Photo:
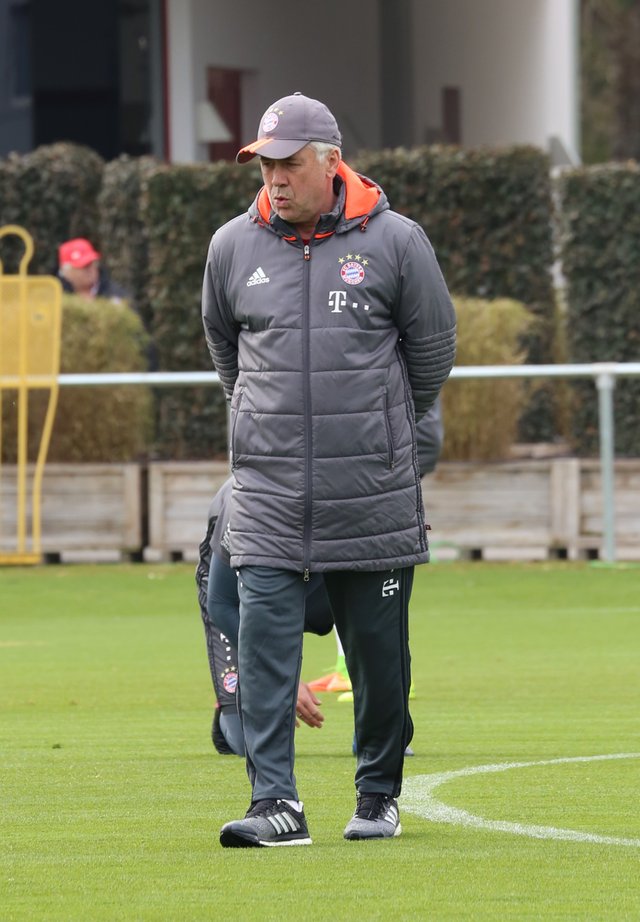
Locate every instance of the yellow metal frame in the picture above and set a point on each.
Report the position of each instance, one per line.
(28, 361)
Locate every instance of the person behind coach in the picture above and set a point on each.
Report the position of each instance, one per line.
(81, 274)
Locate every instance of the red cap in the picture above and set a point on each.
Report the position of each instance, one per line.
(77, 253)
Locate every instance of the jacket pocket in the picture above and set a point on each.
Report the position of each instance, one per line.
(387, 422)
(234, 423)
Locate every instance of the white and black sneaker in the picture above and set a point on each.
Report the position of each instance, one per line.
(376, 817)
(267, 823)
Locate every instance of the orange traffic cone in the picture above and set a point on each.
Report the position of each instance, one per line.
(336, 681)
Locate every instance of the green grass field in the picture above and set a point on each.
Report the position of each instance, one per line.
(112, 794)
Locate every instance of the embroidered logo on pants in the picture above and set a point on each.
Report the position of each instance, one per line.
(390, 587)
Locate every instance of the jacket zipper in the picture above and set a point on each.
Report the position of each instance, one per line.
(409, 400)
(306, 387)
(232, 441)
(387, 422)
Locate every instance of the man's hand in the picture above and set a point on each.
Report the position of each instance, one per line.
(307, 708)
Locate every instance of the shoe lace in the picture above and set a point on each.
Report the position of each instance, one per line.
(267, 808)
(261, 808)
(372, 806)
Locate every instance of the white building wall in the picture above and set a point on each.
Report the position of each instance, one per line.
(513, 60)
(182, 88)
(327, 50)
(561, 68)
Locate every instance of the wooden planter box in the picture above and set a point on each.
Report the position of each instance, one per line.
(516, 510)
(180, 493)
(88, 511)
(532, 510)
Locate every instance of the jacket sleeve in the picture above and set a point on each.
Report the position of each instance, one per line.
(426, 319)
(220, 329)
(429, 438)
(219, 512)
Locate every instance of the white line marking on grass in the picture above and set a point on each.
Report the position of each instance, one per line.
(418, 798)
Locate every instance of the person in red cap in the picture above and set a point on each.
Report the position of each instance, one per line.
(81, 274)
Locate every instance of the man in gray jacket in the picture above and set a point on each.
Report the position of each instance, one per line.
(332, 330)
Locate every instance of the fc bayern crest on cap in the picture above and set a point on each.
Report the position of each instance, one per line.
(270, 121)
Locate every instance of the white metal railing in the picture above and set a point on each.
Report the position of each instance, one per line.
(604, 374)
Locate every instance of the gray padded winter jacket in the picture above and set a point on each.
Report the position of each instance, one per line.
(329, 352)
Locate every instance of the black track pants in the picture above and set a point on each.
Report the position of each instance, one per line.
(371, 613)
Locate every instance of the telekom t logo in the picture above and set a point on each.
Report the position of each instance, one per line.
(390, 587)
(338, 300)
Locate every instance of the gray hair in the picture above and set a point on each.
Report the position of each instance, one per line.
(323, 149)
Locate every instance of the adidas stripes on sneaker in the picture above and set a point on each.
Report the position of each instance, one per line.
(267, 823)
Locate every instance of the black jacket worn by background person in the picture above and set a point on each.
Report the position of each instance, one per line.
(318, 615)
(222, 649)
(107, 288)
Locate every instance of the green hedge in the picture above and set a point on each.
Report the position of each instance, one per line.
(181, 207)
(487, 212)
(489, 216)
(122, 232)
(601, 261)
(52, 193)
(8, 212)
(11, 248)
(92, 423)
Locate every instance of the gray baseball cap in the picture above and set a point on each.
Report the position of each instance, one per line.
(288, 125)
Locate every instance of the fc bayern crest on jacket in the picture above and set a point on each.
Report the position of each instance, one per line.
(352, 268)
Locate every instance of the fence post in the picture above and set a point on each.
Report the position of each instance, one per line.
(606, 382)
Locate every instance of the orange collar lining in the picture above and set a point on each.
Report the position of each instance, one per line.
(360, 198)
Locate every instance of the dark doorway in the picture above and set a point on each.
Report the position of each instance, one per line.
(224, 91)
(91, 74)
(451, 115)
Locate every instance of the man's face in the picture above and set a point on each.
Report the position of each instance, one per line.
(82, 280)
(300, 188)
